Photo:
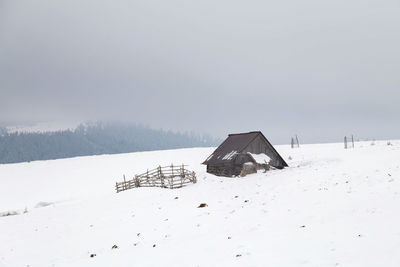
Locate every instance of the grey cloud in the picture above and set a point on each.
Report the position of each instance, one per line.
(321, 69)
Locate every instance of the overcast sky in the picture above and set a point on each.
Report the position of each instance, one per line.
(319, 69)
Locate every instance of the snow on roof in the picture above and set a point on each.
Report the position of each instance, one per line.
(210, 157)
(260, 158)
(229, 155)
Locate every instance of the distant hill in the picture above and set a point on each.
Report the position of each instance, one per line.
(92, 139)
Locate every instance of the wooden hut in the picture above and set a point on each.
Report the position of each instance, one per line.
(237, 149)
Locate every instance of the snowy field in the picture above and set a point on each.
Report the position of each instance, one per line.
(331, 207)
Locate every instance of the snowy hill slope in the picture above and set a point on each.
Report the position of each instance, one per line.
(331, 207)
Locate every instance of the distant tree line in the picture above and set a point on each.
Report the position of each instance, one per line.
(95, 139)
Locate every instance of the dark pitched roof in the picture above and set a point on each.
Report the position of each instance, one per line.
(235, 143)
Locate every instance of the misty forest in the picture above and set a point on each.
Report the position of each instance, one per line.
(94, 139)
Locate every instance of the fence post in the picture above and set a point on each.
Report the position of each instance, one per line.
(292, 142)
(352, 140)
(345, 142)
(297, 140)
(161, 177)
(194, 177)
(137, 182)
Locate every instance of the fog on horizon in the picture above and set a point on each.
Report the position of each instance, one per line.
(319, 69)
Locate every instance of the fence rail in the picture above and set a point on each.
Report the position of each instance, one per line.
(165, 177)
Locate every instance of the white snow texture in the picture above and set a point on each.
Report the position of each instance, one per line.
(331, 207)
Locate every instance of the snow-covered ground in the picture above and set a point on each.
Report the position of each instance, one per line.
(331, 207)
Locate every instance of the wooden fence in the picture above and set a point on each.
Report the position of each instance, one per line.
(165, 177)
